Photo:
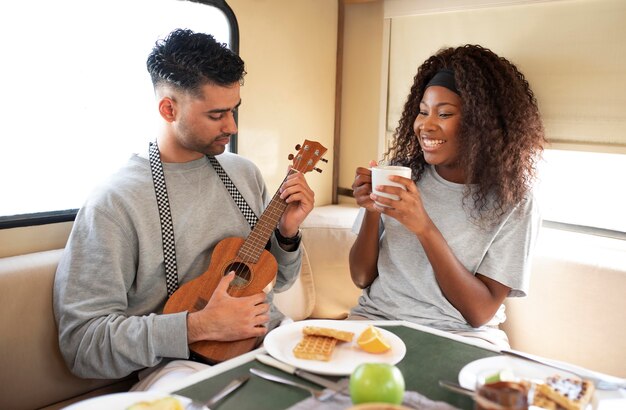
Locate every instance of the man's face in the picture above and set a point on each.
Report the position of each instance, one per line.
(205, 123)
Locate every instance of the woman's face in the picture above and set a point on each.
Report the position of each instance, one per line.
(437, 130)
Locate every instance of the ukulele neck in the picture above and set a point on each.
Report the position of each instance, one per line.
(254, 245)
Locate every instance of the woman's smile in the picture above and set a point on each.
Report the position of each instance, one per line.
(430, 144)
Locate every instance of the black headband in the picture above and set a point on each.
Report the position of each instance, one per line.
(444, 78)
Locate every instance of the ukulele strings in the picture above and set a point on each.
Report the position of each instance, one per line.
(241, 266)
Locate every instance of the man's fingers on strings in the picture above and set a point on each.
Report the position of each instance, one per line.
(295, 183)
(297, 197)
(225, 281)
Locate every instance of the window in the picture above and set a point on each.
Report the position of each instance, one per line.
(582, 104)
(77, 96)
(585, 189)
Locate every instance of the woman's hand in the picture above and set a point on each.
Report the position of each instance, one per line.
(408, 209)
(362, 187)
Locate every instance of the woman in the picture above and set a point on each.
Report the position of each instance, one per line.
(458, 239)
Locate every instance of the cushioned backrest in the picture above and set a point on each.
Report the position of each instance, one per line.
(327, 234)
(32, 371)
(576, 307)
(324, 289)
(298, 301)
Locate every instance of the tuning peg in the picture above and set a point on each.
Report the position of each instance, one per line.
(318, 170)
(290, 157)
(298, 146)
(323, 160)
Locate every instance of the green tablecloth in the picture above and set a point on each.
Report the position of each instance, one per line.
(429, 358)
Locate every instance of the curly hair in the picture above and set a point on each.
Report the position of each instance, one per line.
(501, 135)
(188, 60)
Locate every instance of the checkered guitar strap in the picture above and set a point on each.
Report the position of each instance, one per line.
(165, 215)
(234, 193)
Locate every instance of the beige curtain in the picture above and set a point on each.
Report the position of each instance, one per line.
(573, 52)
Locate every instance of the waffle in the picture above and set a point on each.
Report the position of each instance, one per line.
(315, 348)
(543, 402)
(567, 393)
(166, 403)
(341, 335)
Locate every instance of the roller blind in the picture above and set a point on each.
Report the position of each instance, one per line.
(573, 53)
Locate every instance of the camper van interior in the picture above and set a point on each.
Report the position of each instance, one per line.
(337, 72)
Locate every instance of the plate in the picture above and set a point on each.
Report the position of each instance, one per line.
(519, 367)
(280, 342)
(120, 401)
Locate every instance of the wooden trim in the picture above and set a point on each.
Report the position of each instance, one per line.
(383, 142)
(38, 218)
(338, 91)
(403, 8)
(345, 192)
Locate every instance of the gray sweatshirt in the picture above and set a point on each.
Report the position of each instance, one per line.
(109, 289)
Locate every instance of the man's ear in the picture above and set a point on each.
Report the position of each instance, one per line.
(167, 109)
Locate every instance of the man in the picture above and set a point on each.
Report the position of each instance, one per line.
(110, 286)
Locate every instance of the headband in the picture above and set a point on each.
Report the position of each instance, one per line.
(444, 78)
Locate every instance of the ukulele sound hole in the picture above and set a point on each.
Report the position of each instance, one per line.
(242, 274)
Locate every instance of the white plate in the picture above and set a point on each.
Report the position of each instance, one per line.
(280, 342)
(519, 367)
(120, 401)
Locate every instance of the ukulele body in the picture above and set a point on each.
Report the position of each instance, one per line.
(254, 266)
(250, 278)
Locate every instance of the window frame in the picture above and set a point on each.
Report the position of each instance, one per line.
(69, 215)
(589, 230)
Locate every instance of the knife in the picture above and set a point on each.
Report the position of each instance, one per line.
(270, 361)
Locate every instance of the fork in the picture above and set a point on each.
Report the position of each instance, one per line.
(269, 376)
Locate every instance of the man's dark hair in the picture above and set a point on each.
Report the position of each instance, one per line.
(189, 60)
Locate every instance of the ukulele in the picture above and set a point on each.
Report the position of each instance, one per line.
(254, 266)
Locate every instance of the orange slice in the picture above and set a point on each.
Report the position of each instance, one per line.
(372, 341)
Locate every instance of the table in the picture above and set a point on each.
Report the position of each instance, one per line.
(431, 356)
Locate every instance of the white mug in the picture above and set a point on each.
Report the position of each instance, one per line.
(380, 176)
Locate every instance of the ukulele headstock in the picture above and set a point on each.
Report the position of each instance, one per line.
(309, 154)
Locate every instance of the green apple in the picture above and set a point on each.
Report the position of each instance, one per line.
(376, 383)
(505, 375)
